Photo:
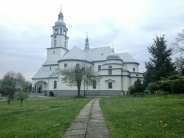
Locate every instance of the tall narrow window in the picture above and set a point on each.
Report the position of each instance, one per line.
(53, 52)
(94, 84)
(110, 70)
(99, 67)
(65, 65)
(54, 43)
(134, 69)
(55, 84)
(110, 85)
(50, 68)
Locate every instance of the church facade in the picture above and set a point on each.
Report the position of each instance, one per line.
(117, 71)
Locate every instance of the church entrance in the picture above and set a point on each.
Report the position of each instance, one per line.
(40, 89)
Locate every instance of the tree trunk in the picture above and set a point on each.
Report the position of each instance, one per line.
(78, 87)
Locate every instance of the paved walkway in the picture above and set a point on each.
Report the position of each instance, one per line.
(89, 123)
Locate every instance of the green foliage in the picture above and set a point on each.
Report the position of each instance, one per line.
(11, 83)
(21, 96)
(139, 87)
(51, 93)
(152, 87)
(39, 117)
(74, 76)
(160, 64)
(177, 86)
(131, 89)
(151, 116)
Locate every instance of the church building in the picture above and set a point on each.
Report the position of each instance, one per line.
(117, 71)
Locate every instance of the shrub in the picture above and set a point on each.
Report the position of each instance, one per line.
(152, 87)
(177, 86)
(51, 93)
(165, 85)
(20, 96)
(146, 91)
(131, 89)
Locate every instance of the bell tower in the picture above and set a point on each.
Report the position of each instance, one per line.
(59, 37)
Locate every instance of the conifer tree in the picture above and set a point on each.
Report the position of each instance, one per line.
(160, 64)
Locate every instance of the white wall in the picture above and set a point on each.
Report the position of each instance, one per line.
(55, 54)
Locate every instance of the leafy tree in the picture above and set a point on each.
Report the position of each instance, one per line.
(160, 64)
(74, 76)
(179, 63)
(179, 45)
(21, 96)
(131, 89)
(10, 83)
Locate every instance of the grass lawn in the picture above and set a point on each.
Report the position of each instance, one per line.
(151, 116)
(39, 117)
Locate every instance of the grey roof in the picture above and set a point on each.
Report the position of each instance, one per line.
(47, 63)
(100, 53)
(76, 53)
(126, 57)
(44, 74)
(95, 54)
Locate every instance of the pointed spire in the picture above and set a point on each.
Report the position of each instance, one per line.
(87, 43)
(60, 16)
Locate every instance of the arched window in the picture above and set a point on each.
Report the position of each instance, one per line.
(110, 70)
(99, 67)
(65, 65)
(53, 52)
(94, 84)
(55, 84)
(134, 69)
(50, 68)
(110, 85)
(77, 65)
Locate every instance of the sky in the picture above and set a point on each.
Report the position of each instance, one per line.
(129, 25)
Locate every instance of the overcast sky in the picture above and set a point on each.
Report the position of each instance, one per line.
(130, 25)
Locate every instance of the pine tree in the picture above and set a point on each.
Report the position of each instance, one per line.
(160, 64)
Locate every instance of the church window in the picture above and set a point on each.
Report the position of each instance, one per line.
(55, 43)
(65, 65)
(99, 67)
(55, 84)
(60, 30)
(110, 70)
(50, 68)
(53, 52)
(65, 44)
(94, 84)
(110, 85)
(134, 69)
(137, 75)
(45, 85)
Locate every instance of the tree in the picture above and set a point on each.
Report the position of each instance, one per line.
(160, 64)
(179, 63)
(74, 76)
(138, 86)
(20, 96)
(179, 45)
(10, 83)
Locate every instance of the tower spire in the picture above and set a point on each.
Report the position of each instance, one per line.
(87, 43)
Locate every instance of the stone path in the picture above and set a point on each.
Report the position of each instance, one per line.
(89, 123)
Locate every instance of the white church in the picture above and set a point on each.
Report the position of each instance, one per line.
(117, 71)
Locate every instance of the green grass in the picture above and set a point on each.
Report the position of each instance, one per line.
(155, 116)
(39, 117)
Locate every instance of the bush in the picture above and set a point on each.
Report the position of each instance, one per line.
(51, 93)
(177, 86)
(152, 87)
(131, 89)
(165, 85)
(146, 91)
(20, 96)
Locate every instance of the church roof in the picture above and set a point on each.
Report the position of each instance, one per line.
(44, 74)
(95, 54)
